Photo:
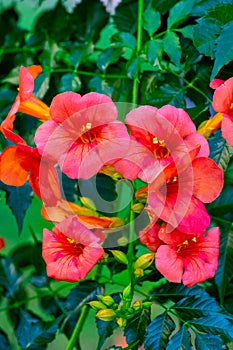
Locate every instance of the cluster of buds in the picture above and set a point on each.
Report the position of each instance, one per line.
(109, 310)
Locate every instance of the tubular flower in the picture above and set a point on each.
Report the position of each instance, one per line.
(2, 243)
(176, 195)
(21, 162)
(188, 258)
(86, 216)
(83, 134)
(159, 135)
(70, 250)
(223, 105)
(25, 102)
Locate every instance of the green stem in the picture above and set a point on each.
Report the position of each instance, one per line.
(139, 48)
(190, 84)
(130, 255)
(90, 74)
(78, 328)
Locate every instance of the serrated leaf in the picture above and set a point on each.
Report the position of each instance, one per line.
(205, 34)
(32, 333)
(18, 199)
(109, 56)
(41, 85)
(187, 31)
(197, 306)
(70, 82)
(133, 67)
(152, 20)
(208, 342)
(214, 324)
(179, 13)
(154, 49)
(223, 49)
(220, 151)
(158, 332)
(4, 342)
(136, 327)
(172, 47)
(180, 341)
(224, 272)
(177, 291)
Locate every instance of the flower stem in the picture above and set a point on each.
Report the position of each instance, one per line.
(78, 328)
(130, 255)
(139, 48)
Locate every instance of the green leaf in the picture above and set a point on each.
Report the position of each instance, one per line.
(125, 17)
(154, 49)
(205, 34)
(181, 340)
(14, 196)
(4, 342)
(10, 279)
(133, 67)
(32, 333)
(179, 13)
(70, 82)
(224, 44)
(111, 55)
(192, 307)
(220, 151)
(136, 327)
(187, 31)
(222, 12)
(41, 85)
(214, 324)
(224, 272)
(204, 6)
(172, 47)
(208, 342)
(152, 20)
(158, 332)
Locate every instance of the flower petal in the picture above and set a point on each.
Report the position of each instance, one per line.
(208, 179)
(169, 264)
(227, 129)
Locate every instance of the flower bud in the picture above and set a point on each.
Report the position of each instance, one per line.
(137, 208)
(108, 300)
(138, 273)
(142, 193)
(144, 261)
(97, 305)
(122, 241)
(106, 315)
(127, 292)
(146, 304)
(88, 203)
(120, 256)
(137, 305)
(121, 322)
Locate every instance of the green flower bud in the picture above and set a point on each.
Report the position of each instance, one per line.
(144, 261)
(121, 322)
(108, 300)
(106, 315)
(127, 292)
(146, 304)
(138, 273)
(97, 305)
(137, 208)
(119, 256)
(137, 305)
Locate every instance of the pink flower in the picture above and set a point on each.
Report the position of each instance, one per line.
(188, 258)
(223, 105)
(83, 135)
(70, 250)
(158, 136)
(176, 195)
(25, 102)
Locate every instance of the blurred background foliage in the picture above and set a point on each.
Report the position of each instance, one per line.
(168, 58)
